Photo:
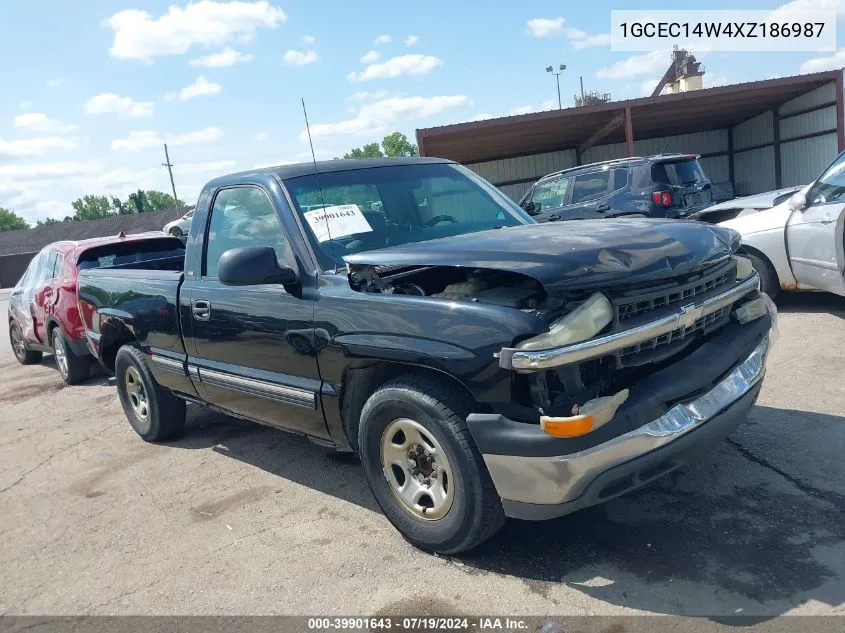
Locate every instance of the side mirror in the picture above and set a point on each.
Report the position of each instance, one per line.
(253, 266)
(798, 201)
(530, 208)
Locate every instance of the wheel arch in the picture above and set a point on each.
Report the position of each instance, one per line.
(360, 382)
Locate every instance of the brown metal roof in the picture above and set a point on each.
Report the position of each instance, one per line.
(695, 111)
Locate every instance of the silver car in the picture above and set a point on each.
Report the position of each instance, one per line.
(180, 226)
(800, 243)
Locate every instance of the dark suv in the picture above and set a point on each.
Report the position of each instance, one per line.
(663, 186)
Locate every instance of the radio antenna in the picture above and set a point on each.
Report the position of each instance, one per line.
(317, 178)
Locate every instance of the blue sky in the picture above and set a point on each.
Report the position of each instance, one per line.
(90, 90)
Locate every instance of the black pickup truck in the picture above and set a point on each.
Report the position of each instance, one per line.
(481, 364)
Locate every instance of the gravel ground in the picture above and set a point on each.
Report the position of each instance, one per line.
(95, 521)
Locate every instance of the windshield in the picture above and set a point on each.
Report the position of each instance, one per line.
(687, 172)
(365, 209)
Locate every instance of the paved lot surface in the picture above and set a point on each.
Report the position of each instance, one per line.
(93, 520)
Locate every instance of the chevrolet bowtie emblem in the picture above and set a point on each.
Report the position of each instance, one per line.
(688, 315)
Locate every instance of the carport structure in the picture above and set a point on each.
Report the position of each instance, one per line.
(756, 136)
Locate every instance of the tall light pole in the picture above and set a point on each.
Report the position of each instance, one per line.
(557, 74)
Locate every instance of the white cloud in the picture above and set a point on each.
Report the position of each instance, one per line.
(298, 58)
(818, 64)
(138, 35)
(411, 40)
(796, 10)
(544, 27)
(381, 115)
(369, 57)
(32, 172)
(260, 137)
(113, 103)
(40, 122)
(636, 65)
(484, 116)
(34, 146)
(145, 139)
(26, 105)
(226, 57)
(580, 39)
(715, 79)
(549, 104)
(202, 87)
(369, 96)
(308, 39)
(54, 83)
(394, 67)
(648, 86)
(382, 39)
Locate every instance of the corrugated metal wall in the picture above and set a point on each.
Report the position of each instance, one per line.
(803, 161)
(754, 166)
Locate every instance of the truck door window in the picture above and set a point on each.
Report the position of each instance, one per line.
(243, 216)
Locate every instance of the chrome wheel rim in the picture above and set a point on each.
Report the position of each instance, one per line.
(18, 344)
(59, 352)
(137, 394)
(416, 469)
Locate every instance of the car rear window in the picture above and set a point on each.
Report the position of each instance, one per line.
(678, 173)
(121, 253)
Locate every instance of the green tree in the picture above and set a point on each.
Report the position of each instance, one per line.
(91, 208)
(160, 201)
(397, 145)
(370, 150)
(138, 201)
(11, 221)
(47, 222)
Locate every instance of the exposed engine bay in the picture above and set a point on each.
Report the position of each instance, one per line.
(453, 283)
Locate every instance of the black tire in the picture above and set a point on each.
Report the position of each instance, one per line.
(165, 413)
(769, 282)
(23, 355)
(175, 231)
(475, 513)
(72, 368)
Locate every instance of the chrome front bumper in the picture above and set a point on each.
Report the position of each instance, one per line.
(562, 479)
(533, 360)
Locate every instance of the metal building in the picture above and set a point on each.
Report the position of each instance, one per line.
(754, 136)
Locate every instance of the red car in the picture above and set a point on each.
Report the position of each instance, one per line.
(43, 311)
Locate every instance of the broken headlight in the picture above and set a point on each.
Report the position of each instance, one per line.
(744, 267)
(583, 323)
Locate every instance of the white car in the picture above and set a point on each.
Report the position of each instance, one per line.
(800, 243)
(180, 226)
(736, 207)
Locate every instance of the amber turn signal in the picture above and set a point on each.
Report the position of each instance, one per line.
(574, 426)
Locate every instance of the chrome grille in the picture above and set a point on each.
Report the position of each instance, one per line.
(636, 303)
(701, 325)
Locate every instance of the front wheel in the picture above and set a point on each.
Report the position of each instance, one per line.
(424, 468)
(22, 354)
(175, 231)
(768, 277)
(153, 411)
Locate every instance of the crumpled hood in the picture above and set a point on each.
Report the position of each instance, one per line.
(574, 254)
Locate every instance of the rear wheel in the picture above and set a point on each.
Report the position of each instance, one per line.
(424, 468)
(153, 411)
(768, 277)
(24, 356)
(72, 368)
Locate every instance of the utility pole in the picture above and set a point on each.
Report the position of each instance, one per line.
(561, 68)
(582, 89)
(169, 166)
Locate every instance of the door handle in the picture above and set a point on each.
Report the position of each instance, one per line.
(201, 310)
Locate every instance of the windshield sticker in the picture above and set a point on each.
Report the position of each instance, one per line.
(337, 221)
